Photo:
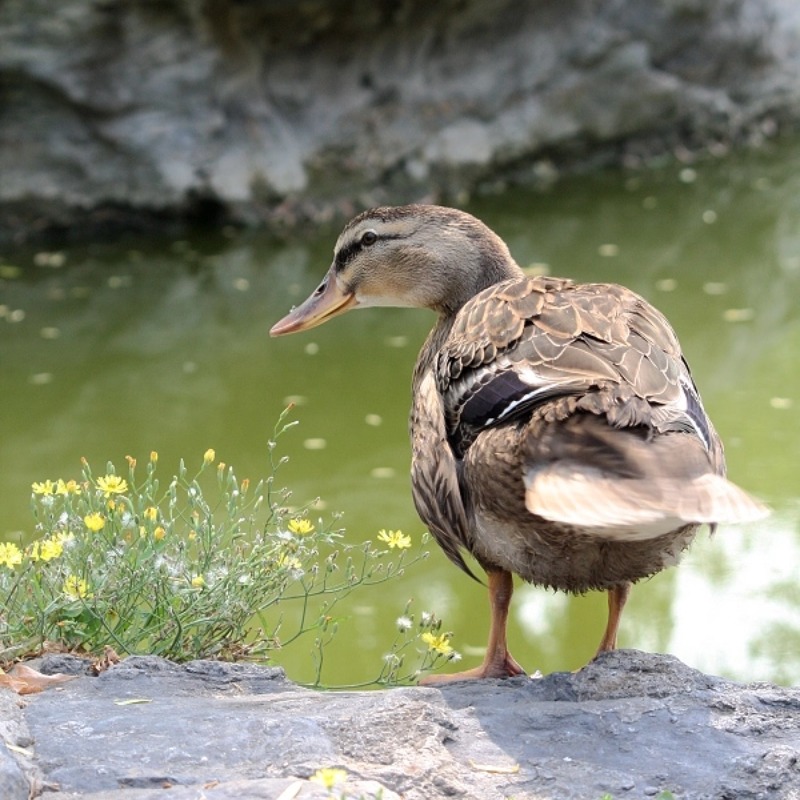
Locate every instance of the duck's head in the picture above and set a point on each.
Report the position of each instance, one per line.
(418, 256)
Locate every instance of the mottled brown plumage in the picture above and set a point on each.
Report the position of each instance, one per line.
(556, 429)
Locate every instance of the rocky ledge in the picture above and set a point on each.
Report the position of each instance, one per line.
(630, 725)
(122, 112)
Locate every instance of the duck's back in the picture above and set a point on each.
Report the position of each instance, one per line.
(556, 424)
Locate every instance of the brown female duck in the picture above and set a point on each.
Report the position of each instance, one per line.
(556, 430)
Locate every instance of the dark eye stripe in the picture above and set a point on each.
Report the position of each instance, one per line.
(352, 249)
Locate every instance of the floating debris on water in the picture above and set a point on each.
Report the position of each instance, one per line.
(374, 420)
(17, 315)
(47, 259)
(9, 272)
(241, 284)
(738, 314)
(667, 285)
(781, 403)
(715, 287)
(315, 444)
(50, 333)
(396, 341)
(311, 349)
(687, 175)
(709, 216)
(608, 250)
(383, 472)
(650, 202)
(41, 378)
(119, 281)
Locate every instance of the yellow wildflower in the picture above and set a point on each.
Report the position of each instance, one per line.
(395, 539)
(153, 456)
(191, 536)
(210, 456)
(46, 549)
(440, 643)
(75, 588)
(67, 487)
(112, 484)
(300, 527)
(159, 533)
(45, 488)
(50, 549)
(10, 554)
(94, 521)
(198, 582)
(329, 777)
(151, 513)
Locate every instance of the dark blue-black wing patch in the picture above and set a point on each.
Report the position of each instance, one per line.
(499, 397)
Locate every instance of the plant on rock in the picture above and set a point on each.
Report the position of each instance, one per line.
(193, 569)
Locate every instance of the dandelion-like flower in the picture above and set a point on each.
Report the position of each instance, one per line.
(10, 554)
(112, 484)
(198, 582)
(394, 539)
(440, 643)
(404, 624)
(48, 549)
(159, 533)
(300, 527)
(153, 456)
(210, 456)
(44, 488)
(329, 777)
(67, 487)
(95, 521)
(75, 588)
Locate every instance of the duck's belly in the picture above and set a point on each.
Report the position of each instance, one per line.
(559, 557)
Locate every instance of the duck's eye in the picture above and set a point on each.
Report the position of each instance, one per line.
(368, 238)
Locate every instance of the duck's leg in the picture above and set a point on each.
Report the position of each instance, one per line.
(617, 597)
(498, 662)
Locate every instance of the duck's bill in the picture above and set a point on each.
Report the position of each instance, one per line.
(327, 301)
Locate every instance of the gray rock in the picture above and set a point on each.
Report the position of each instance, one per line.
(15, 750)
(122, 112)
(630, 724)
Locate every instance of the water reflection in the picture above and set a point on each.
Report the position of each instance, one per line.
(133, 346)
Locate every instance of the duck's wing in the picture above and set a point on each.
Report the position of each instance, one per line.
(541, 350)
(524, 342)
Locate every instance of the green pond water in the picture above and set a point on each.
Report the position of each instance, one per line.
(128, 346)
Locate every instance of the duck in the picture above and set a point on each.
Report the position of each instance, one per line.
(557, 433)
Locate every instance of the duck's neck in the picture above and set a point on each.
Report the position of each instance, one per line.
(447, 317)
(465, 257)
(464, 272)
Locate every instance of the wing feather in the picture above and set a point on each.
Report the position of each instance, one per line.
(527, 341)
